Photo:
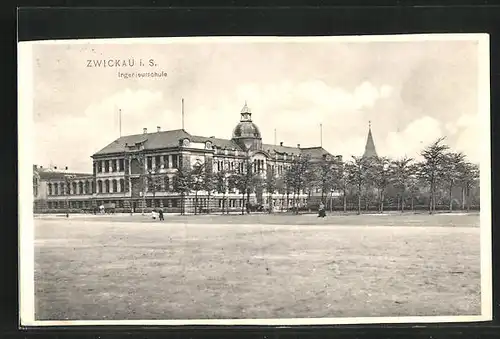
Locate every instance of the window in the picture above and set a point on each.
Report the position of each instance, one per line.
(148, 202)
(122, 185)
(106, 166)
(113, 165)
(158, 161)
(175, 161)
(80, 187)
(126, 165)
(99, 166)
(149, 162)
(165, 161)
(99, 186)
(93, 186)
(121, 165)
(115, 186)
(49, 186)
(106, 186)
(175, 202)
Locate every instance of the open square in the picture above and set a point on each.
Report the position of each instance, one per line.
(256, 266)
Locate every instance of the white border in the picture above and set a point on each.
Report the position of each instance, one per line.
(26, 224)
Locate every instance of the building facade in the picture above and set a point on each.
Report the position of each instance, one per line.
(137, 172)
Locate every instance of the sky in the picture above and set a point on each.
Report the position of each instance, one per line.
(413, 92)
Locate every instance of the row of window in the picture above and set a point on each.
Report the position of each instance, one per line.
(151, 203)
(119, 165)
(62, 188)
(257, 166)
(115, 165)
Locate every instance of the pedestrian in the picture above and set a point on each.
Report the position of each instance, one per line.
(321, 212)
(160, 214)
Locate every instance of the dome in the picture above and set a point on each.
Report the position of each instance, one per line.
(246, 129)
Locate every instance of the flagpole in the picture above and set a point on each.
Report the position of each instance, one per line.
(275, 137)
(182, 113)
(120, 121)
(321, 134)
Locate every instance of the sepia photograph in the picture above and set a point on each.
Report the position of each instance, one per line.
(255, 180)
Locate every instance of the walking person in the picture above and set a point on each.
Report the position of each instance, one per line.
(321, 211)
(160, 214)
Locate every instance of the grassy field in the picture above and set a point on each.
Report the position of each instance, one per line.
(257, 266)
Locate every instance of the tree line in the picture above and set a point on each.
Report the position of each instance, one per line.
(378, 180)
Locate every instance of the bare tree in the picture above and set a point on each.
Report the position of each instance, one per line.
(470, 178)
(401, 172)
(271, 186)
(299, 174)
(221, 185)
(358, 172)
(431, 168)
(239, 182)
(198, 178)
(380, 174)
(344, 184)
(182, 184)
(453, 169)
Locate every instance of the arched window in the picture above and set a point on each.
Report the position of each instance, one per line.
(106, 185)
(122, 185)
(56, 189)
(115, 186)
(80, 187)
(50, 188)
(74, 188)
(99, 186)
(87, 187)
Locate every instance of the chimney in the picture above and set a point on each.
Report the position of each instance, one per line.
(281, 143)
(158, 128)
(66, 168)
(298, 145)
(41, 166)
(55, 167)
(145, 130)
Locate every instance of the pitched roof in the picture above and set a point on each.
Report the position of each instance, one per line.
(152, 141)
(281, 149)
(370, 151)
(158, 140)
(217, 142)
(52, 175)
(315, 152)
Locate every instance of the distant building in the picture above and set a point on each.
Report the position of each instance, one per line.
(370, 151)
(55, 189)
(124, 169)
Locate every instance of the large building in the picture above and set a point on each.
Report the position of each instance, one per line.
(122, 170)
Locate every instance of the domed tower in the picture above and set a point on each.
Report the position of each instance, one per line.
(246, 133)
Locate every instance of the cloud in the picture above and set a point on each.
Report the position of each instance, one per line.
(469, 135)
(71, 139)
(410, 141)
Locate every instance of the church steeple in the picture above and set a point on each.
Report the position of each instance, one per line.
(246, 114)
(370, 151)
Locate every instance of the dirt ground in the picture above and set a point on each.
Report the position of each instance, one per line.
(262, 266)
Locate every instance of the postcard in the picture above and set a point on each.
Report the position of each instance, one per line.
(255, 180)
